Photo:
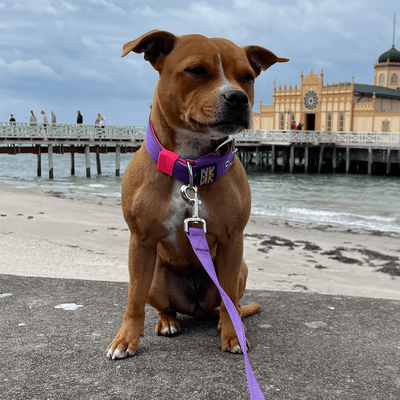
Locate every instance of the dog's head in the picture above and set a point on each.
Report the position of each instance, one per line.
(206, 85)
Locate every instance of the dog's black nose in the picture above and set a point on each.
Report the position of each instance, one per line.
(236, 98)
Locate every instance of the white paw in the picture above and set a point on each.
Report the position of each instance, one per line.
(237, 350)
(172, 330)
(116, 354)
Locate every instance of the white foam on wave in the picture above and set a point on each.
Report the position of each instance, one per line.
(325, 217)
(340, 215)
(97, 185)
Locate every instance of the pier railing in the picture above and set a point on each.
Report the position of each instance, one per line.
(65, 131)
(29, 131)
(314, 137)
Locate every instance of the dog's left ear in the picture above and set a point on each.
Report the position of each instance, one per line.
(154, 44)
(261, 58)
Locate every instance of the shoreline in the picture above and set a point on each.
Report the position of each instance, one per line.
(85, 237)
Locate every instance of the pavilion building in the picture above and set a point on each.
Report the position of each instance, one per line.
(342, 106)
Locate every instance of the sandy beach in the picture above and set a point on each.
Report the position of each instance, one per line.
(85, 237)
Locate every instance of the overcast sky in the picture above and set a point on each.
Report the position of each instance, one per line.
(65, 55)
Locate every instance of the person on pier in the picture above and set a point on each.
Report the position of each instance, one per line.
(97, 122)
(53, 118)
(32, 119)
(79, 118)
(44, 119)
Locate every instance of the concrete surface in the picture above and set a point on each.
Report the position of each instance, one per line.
(350, 348)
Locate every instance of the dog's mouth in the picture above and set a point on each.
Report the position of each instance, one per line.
(229, 128)
(222, 127)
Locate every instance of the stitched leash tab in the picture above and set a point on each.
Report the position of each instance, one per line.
(197, 238)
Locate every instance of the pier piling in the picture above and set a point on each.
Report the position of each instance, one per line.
(388, 166)
(98, 163)
(347, 159)
(257, 157)
(87, 157)
(273, 158)
(39, 160)
(117, 159)
(334, 160)
(291, 159)
(72, 161)
(306, 160)
(369, 161)
(50, 155)
(321, 158)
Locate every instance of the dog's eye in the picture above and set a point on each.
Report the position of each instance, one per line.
(248, 78)
(197, 71)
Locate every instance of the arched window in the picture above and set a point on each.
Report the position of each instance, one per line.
(385, 126)
(291, 120)
(329, 122)
(381, 79)
(393, 80)
(341, 118)
(282, 121)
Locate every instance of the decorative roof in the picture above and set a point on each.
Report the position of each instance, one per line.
(380, 91)
(393, 55)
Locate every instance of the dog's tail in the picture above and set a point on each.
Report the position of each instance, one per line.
(247, 310)
(250, 309)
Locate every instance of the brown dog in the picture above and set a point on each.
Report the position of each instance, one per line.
(205, 92)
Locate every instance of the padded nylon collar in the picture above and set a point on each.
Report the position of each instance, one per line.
(206, 169)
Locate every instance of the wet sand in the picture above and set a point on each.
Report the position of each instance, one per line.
(85, 237)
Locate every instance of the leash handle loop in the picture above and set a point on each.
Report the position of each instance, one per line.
(197, 238)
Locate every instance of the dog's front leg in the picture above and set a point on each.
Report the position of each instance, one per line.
(228, 266)
(142, 261)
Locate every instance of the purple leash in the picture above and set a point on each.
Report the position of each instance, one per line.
(203, 170)
(198, 241)
(197, 238)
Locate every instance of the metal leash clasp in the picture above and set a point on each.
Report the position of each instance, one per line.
(196, 202)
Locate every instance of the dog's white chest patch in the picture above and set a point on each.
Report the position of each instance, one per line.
(179, 208)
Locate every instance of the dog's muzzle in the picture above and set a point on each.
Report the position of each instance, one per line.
(235, 112)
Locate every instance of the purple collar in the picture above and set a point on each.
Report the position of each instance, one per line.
(206, 169)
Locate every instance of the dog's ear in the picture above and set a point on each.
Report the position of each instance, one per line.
(153, 44)
(261, 58)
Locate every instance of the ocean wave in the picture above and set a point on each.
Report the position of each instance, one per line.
(324, 217)
(339, 215)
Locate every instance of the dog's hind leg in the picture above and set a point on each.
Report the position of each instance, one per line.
(159, 299)
(248, 309)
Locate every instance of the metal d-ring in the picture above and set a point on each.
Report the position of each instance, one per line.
(231, 139)
(190, 170)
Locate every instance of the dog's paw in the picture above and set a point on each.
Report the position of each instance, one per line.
(230, 342)
(236, 349)
(125, 342)
(117, 354)
(168, 325)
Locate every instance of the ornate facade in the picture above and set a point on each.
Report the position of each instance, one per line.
(345, 106)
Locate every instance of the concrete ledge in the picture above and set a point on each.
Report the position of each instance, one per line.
(302, 347)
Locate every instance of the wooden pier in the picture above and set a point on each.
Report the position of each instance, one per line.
(328, 152)
(22, 138)
(291, 151)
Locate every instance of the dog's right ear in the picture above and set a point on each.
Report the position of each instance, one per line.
(155, 45)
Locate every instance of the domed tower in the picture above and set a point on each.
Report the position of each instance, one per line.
(387, 69)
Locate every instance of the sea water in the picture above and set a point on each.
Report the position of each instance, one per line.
(354, 200)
